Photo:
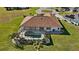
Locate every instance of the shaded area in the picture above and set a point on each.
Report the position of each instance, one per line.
(53, 32)
(65, 32)
(16, 8)
(51, 41)
(20, 47)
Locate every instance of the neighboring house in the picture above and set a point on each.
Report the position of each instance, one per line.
(74, 19)
(66, 8)
(71, 9)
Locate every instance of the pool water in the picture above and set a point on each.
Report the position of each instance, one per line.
(33, 34)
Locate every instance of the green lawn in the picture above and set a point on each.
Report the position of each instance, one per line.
(65, 42)
(11, 24)
(6, 30)
(7, 16)
(68, 13)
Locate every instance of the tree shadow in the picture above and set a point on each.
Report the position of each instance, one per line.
(51, 41)
(65, 31)
(19, 47)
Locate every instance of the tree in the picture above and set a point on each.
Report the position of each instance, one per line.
(13, 35)
(38, 45)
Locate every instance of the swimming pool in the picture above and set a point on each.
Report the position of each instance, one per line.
(33, 34)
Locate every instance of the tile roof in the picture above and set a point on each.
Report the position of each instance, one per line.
(41, 21)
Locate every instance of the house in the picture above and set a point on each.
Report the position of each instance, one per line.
(35, 27)
(44, 24)
(66, 8)
(74, 19)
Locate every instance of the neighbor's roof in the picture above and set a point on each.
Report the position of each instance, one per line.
(40, 21)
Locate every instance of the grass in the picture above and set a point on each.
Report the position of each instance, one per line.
(7, 16)
(9, 25)
(65, 42)
(6, 30)
(68, 13)
(46, 11)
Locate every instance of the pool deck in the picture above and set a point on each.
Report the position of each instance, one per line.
(30, 38)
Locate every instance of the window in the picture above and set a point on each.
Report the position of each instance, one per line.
(53, 29)
(48, 28)
(58, 28)
(33, 28)
(41, 28)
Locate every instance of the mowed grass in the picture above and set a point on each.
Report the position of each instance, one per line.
(6, 16)
(68, 13)
(65, 42)
(9, 25)
(6, 30)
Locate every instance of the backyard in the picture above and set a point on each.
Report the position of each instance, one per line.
(65, 42)
(10, 21)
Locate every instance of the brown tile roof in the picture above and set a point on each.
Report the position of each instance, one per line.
(41, 21)
(26, 19)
